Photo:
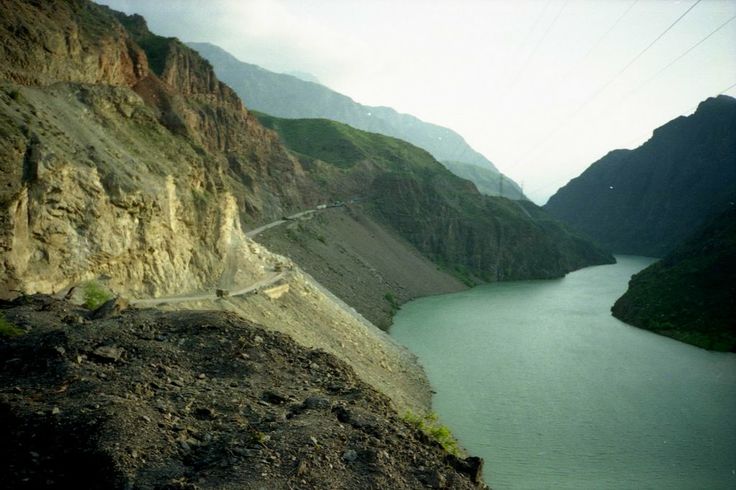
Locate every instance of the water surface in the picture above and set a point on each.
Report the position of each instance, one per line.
(539, 379)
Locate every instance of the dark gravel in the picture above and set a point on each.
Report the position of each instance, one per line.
(148, 399)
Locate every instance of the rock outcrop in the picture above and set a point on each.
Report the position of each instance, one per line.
(144, 180)
(112, 170)
(646, 201)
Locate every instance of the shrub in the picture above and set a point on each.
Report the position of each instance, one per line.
(95, 294)
(391, 300)
(429, 424)
(7, 329)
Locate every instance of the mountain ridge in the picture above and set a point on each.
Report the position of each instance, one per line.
(286, 96)
(646, 200)
(444, 216)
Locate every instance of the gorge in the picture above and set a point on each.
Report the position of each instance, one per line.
(197, 291)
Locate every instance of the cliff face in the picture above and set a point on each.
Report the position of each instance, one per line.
(287, 96)
(444, 217)
(47, 42)
(143, 178)
(690, 295)
(110, 170)
(645, 201)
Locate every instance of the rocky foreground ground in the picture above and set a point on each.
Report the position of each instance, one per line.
(195, 399)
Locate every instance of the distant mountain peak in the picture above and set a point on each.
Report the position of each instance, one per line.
(663, 189)
(304, 76)
(286, 96)
(718, 101)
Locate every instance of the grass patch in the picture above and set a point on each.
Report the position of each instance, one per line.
(95, 294)
(389, 296)
(429, 424)
(7, 329)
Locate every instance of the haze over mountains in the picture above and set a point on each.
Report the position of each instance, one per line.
(287, 96)
(646, 201)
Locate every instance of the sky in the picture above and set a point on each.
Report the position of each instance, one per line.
(542, 88)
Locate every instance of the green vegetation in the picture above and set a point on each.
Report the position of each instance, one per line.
(343, 146)
(429, 424)
(689, 295)
(95, 294)
(7, 329)
(392, 301)
(472, 236)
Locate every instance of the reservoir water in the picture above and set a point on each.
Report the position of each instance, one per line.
(539, 379)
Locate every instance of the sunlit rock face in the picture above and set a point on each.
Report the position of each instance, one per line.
(112, 169)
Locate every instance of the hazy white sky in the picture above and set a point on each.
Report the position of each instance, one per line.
(542, 88)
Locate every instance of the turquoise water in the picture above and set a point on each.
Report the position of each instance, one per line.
(539, 379)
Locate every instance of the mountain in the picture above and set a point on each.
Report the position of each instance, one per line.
(645, 201)
(288, 96)
(126, 166)
(475, 236)
(690, 295)
(302, 75)
(488, 182)
(111, 164)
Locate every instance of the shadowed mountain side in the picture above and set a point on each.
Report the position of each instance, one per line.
(690, 295)
(287, 96)
(475, 237)
(645, 201)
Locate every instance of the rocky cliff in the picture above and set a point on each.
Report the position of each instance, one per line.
(690, 295)
(111, 169)
(287, 96)
(474, 236)
(140, 175)
(645, 201)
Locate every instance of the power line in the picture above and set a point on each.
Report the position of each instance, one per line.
(595, 45)
(533, 52)
(639, 137)
(641, 53)
(727, 89)
(593, 96)
(661, 70)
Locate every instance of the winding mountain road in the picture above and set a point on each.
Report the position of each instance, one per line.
(256, 231)
(209, 296)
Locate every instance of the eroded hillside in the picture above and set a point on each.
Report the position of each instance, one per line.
(141, 176)
(474, 236)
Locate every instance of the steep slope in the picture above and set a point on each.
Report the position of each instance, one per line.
(114, 170)
(690, 295)
(363, 262)
(142, 177)
(443, 216)
(291, 97)
(645, 201)
(195, 400)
